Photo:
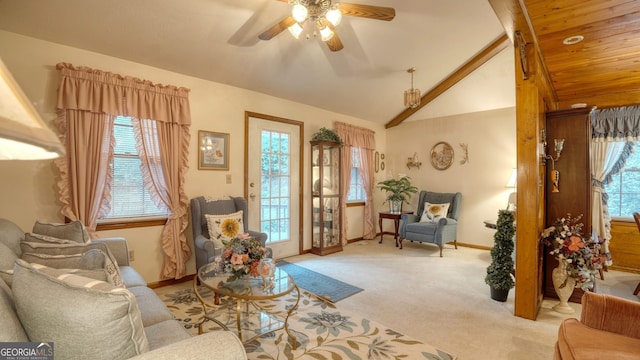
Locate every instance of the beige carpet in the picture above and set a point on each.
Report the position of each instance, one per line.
(444, 301)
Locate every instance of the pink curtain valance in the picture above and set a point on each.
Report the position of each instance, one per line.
(83, 88)
(356, 136)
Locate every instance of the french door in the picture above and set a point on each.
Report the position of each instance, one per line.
(273, 178)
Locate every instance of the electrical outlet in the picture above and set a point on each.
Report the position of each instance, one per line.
(228, 178)
(131, 255)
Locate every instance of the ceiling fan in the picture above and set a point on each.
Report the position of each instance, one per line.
(322, 16)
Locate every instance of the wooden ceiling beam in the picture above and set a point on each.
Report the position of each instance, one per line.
(478, 60)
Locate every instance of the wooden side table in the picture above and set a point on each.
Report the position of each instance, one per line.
(396, 222)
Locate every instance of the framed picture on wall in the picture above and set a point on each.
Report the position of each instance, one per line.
(213, 150)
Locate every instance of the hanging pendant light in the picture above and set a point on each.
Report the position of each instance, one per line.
(411, 96)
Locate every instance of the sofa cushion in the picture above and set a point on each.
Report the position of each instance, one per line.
(152, 309)
(131, 277)
(11, 329)
(45, 239)
(578, 341)
(10, 236)
(74, 231)
(224, 227)
(84, 318)
(88, 260)
(7, 257)
(69, 249)
(165, 333)
(6, 275)
(433, 212)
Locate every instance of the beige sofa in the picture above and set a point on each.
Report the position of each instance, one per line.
(89, 319)
(609, 328)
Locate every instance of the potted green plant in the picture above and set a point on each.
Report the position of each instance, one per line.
(325, 134)
(500, 271)
(399, 191)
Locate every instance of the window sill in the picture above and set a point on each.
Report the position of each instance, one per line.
(355, 203)
(130, 223)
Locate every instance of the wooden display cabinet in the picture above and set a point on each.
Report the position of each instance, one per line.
(326, 197)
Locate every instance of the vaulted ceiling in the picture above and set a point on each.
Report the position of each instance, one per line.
(448, 42)
(218, 40)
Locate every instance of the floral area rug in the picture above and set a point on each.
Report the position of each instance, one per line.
(323, 331)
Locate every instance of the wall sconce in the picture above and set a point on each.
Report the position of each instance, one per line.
(555, 174)
(413, 161)
(558, 146)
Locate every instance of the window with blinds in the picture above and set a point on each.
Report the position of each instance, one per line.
(356, 192)
(129, 198)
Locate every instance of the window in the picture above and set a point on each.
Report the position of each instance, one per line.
(624, 189)
(129, 198)
(356, 192)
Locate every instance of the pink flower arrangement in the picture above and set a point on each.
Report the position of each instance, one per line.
(241, 256)
(579, 255)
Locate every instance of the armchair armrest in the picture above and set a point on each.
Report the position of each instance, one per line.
(208, 246)
(610, 313)
(410, 218)
(447, 221)
(118, 247)
(216, 345)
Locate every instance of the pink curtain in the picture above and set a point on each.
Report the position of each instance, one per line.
(98, 95)
(85, 171)
(364, 139)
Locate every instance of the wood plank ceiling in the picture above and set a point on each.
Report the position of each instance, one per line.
(604, 68)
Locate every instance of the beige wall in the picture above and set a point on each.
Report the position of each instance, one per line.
(28, 191)
(490, 136)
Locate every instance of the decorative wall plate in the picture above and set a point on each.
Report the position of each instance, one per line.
(441, 155)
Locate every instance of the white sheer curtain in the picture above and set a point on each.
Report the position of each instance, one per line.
(613, 132)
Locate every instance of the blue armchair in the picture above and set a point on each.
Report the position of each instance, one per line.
(438, 233)
(203, 246)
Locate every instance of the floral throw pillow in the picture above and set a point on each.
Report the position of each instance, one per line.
(433, 212)
(224, 227)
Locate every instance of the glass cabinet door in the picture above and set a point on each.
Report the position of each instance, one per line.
(326, 197)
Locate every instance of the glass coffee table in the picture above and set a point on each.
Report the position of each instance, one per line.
(244, 296)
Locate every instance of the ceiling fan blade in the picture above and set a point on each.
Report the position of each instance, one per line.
(276, 29)
(367, 11)
(334, 44)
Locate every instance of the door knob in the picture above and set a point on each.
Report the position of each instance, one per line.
(252, 196)
(252, 184)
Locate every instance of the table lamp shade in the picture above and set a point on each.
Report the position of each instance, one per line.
(23, 133)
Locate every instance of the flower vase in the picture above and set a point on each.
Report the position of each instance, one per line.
(559, 276)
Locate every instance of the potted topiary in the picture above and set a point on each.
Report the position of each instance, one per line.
(500, 272)
(399, 191)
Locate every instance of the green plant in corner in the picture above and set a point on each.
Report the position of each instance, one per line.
(325, 134)
(398, 189)
(500, 271)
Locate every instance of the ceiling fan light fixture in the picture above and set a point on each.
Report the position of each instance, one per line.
(299, 12)
(412, 96)
(334, 16)
(326, 34)
(295, 30)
